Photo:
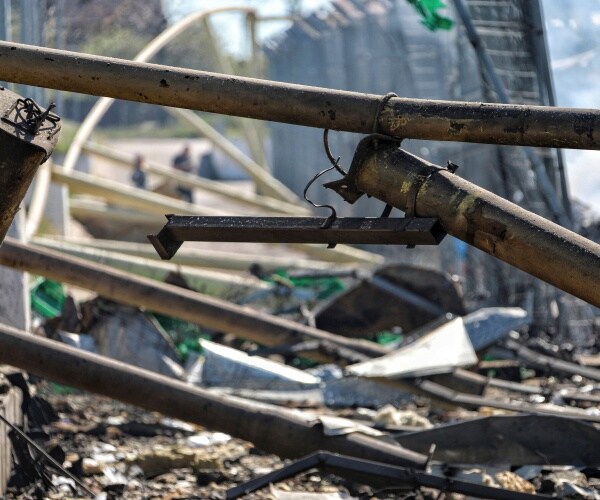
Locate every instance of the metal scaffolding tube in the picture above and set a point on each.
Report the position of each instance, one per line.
(302, 105)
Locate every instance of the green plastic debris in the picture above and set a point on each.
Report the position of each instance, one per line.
(431, 19)
(386, 337)
(61, 389)
(184, 335)
(47, 297)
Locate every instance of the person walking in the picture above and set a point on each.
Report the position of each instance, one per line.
(183, 162)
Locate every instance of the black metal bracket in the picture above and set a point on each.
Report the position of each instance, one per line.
(358, 469)
(350, 230)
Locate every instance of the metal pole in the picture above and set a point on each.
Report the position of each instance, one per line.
(174, 301)
(278, 430)
(193, 257)
(301, 105)
(491, 223)
(128, 196)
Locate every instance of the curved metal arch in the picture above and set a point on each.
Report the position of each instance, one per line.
(102, 105)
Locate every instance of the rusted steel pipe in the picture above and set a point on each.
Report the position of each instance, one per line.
(167, 299)
(298, 104)
(491, 223)
(27, 138)
(284, 432)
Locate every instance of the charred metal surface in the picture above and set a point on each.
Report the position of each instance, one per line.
(353, 230)
(492, 224)
(28, 135)
(395, 295)
(298, 104)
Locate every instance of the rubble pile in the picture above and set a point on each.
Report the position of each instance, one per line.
(470, 404)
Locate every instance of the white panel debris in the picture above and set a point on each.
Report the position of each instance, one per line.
(446, 347)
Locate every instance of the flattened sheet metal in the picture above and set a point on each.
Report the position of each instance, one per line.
(227, 367)
(443, 349)
(489, 325)
(512, 440)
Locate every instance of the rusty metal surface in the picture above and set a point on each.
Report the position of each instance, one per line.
(352, 230)
(491, 223)
(27, 138)
(298, 104)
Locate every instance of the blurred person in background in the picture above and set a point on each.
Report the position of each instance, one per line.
(138, 177)
(183, 162)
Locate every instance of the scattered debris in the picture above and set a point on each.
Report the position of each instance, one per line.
(390, 417)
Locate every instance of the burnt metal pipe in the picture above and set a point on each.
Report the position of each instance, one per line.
(282, 431)
(298, 104)
(27, 138)
(171, 300)
(525, 240)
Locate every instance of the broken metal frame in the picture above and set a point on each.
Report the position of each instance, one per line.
(393, 116)
(371, 472)
(265, 182)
